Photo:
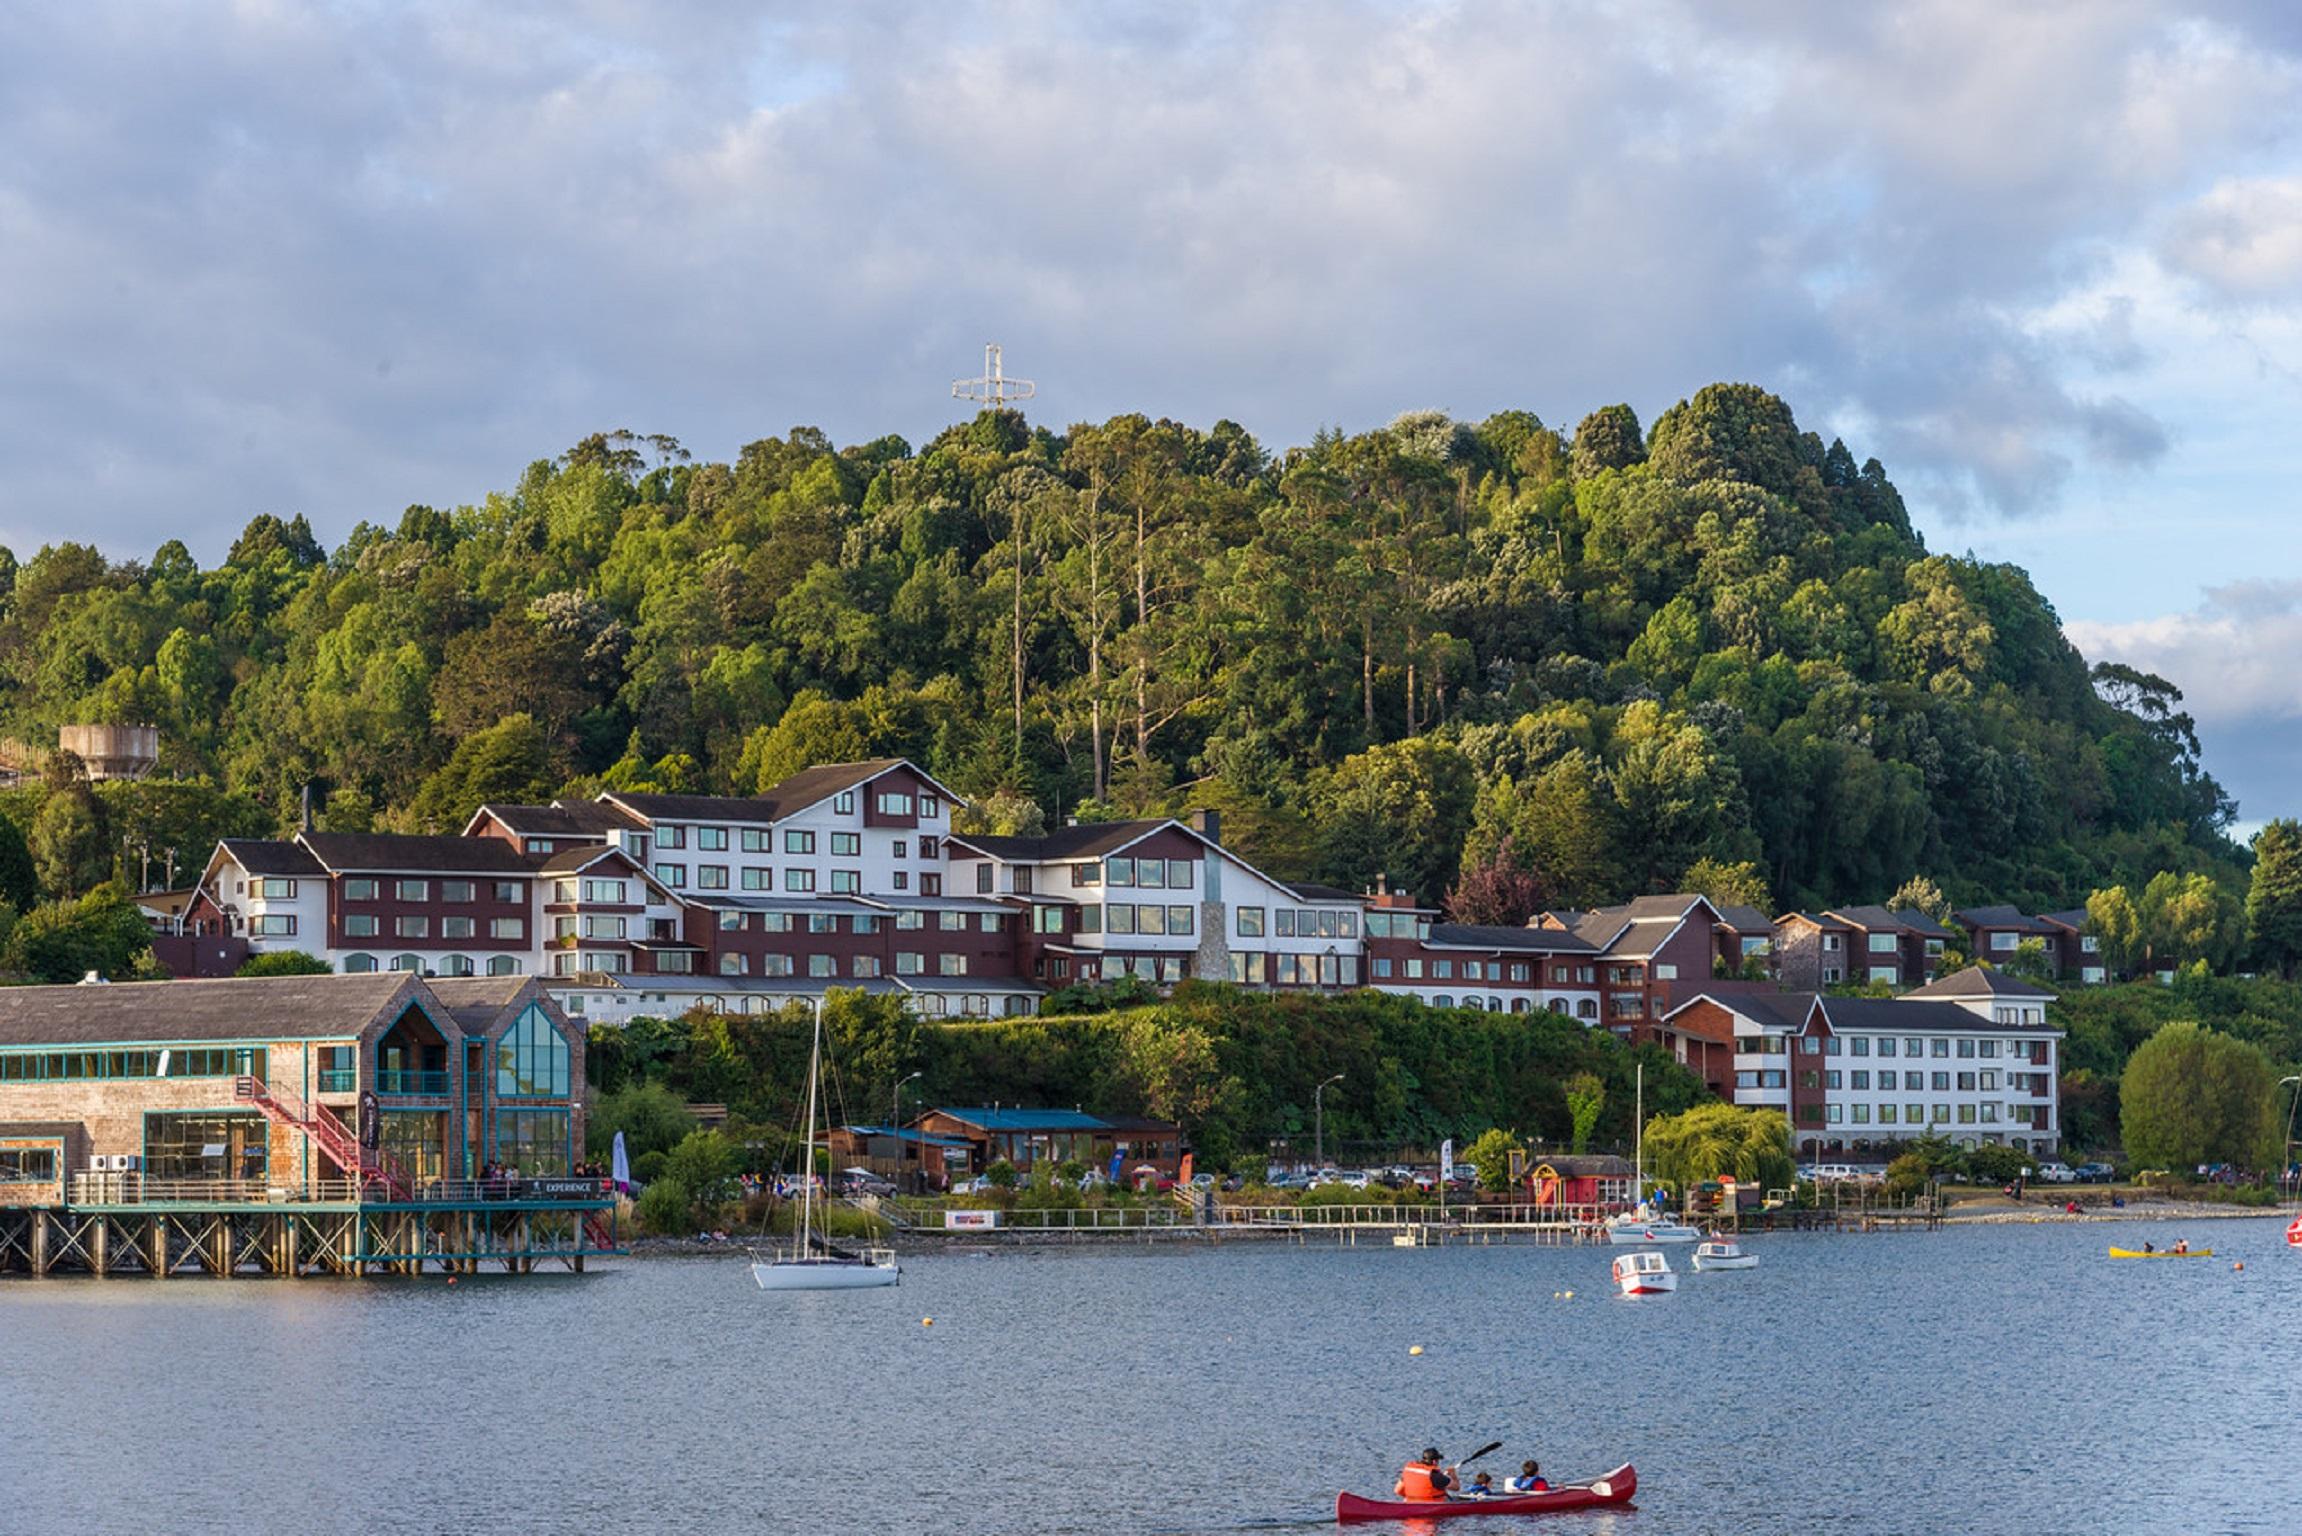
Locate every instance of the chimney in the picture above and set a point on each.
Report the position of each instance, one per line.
(1208, 823)
(307, 806)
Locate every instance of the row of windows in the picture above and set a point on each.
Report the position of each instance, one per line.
(1964, 1047)
(27, 1165)
(1397, 925)
(1118, 917)
(1968, 1082)
(71, 1066)
(363, 925)
(453, 892)
(1254, 969)
(443, 965)
(797, 840)
(1143, 874)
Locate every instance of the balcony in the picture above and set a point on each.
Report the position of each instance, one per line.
(434, 1084)
(339, 1080)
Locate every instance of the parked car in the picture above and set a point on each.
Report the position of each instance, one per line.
(1147, 1178)
(2055, 1173)
(2095, 1173)
(862, 1181)
(1358, 1179)
(1202, 1181)
(2218, 1173)
(979, 1185)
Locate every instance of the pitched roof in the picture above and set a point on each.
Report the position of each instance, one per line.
(787, 798)
(1776, 1010)
(236, 1008)
(1541, 941)
(1311, 890)
(271, 856)
(1823, 920)
(402, 853)
(1638, 927)
(1023, 1119)
(1874, 918)
(2073, 919)
(1980, 981)
(1909, 1014)
(591, 819)
(2003, 917)
(1088, 840)
(1744, 919)
(477, 1002)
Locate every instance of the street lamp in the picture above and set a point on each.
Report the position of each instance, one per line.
(895, 1124)
(1319, 1124)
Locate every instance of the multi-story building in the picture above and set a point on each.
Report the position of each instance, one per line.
(1857, 946)
(2076, 953)
(1970, 1057)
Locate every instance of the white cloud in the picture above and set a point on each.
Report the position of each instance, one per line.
(285, 259)
(2243, 238)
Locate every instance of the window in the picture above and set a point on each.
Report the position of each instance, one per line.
(711, 839)
(1883, 973)
(1914, 1047)
(1914, 1080)
(1886, 1114)
(1086, 875)
(1831, 974)
(459, 891)
(1179, 920)
(756, 840)
(864, 923)
(511, 892)
(1966, 1082)
(412, 890)
(1941, 1114)
(359, 965)
(1862, 1080)
(1830, 1079)
(1518, 971)
(534, 1141)
(206, 1146)
(930, 806)
(1883, 943)
(1090, 920)
(821, 965)
(733, 964)
(1666, 972)
(951, 922)
(950, 965)
(606, 892)
(1990, 1114)
(1808, 1045)
(1966, 1048)
(990, 922)
(2088, 944)
(1941, 1047)
(795, 841)
(673, 875)
(1886, 1045)
(1179, 874)
(893, 802)
(1830, 943)
(909, 963)
(822, 922)
(1250, 922)
(1414, 970)
(503, 965)
(775, 965)
(847, 845)
(931, 849)
(1443, 970)
(843, 803)
(1990, 1049)
(799, 880)
(412, 927)
(864, 965)
(1833, 1114)
(1151, 874)
(27, 1165)
(1862, 1114)
(359, 925)
(1118, 871)
(846, 882)
(757, 879)
(711, 877)
(1382, 969)
(458, 927)
(610, 925)
(671, 837)
(1942, 1082)
(1283, 922)
(276, 890)
(1119, 917)
(1858, 1045)
(456, 965)
(360, 888)
(1989, 1082)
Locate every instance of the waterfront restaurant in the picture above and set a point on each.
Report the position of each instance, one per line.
(266, 1089)
(1027, 1137)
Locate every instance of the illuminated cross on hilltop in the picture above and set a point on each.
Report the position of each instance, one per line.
(994, 388)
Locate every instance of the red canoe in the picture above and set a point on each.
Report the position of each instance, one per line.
(1614, 1488)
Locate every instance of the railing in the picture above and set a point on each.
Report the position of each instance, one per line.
(339, 1079)
(140, 1189)
(433, 1083)
(465, 1191)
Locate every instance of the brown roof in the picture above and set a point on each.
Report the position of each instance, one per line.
(1782, 1010)
(238, 1008)
(1085, 841)
(271, 856)
(401, 853)
(592, 819)
(1979, 981)
(478, 1002)
(1638, 927)
(787, 798)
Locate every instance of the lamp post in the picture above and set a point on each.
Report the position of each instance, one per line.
(1319, 1124)
(895, 1124)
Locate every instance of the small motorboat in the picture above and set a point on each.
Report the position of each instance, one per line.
(1723, 1253)
(1646, 1273)
(2161, 1253)
(1614, 1488)
(1642, 1226)
(2294, 1233)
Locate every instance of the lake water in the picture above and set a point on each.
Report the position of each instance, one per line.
(2003, 1379)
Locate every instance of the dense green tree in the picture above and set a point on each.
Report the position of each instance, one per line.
(2192, 1095)
(101, 933)
(1720, 1141)
(71, 842)
(508, 761)
(2274, 899)
(285, 962)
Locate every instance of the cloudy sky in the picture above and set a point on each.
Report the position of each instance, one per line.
(2045, 261)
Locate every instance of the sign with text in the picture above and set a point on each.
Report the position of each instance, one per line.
(969, 1221)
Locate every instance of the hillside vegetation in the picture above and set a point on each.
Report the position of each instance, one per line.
(1595, 657)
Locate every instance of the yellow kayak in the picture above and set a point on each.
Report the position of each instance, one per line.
(2161, 1253)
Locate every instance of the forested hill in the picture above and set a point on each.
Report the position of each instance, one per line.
(1616, 652)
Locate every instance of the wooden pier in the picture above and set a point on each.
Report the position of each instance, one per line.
(120, 1225)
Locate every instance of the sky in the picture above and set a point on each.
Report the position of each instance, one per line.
(2044, 261)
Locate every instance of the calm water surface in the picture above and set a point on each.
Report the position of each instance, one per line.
(2003, 1379)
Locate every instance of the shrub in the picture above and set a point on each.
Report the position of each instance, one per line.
(286, 962)
(1995, 1165)
(1001, 1174)
(704, 1165)
(651, 1117)
(666, 1209)
(1491, 1155)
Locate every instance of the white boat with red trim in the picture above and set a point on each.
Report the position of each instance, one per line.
(1645, 1273)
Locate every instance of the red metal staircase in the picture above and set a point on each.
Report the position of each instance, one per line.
(377, 1169)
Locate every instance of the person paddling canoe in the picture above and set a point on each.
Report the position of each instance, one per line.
(1422, 1480)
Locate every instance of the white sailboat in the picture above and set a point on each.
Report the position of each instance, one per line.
(811, 1263)
(1643, 1224)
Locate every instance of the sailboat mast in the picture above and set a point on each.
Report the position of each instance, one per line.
(1639, 1136)
(807, 1153)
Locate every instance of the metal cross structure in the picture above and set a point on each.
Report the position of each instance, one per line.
(994, 388)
